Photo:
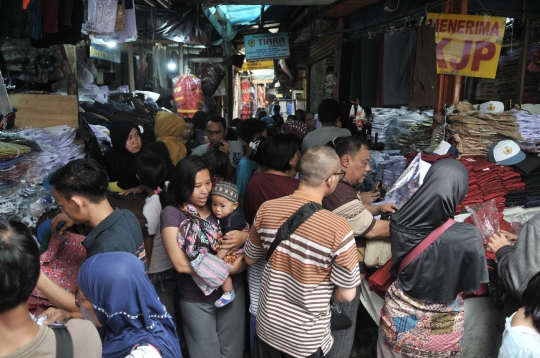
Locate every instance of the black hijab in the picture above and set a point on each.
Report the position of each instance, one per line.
(455, 262)
(126, 161)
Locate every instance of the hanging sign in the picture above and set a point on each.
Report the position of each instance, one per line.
(266, 46)
(104, 53)
(258, 65)
(468, 45)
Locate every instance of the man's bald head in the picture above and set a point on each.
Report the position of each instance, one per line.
(317, 165)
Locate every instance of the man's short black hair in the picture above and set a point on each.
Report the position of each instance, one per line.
(19, 264)
(350, 145)
(84, 177)
(279, 149)
(249, 128)
(217, 119)
(276, 109)
(329, 110)
(531, 300)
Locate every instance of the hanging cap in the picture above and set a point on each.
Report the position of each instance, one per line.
(505, 152)
(491, 107)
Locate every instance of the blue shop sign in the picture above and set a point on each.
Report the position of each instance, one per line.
(104, 53)
(267, 46)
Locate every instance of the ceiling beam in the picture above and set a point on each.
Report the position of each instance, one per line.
(151, 3)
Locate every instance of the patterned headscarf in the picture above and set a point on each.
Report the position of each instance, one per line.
(298, 128)
(127, 305)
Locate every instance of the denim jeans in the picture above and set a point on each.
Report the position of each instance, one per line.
(165, 284)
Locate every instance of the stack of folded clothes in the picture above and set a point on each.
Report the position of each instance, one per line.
(530, 196)
(489, 181)
(478, 131)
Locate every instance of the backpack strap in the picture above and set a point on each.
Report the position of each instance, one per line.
(289, 227)
(64, 343)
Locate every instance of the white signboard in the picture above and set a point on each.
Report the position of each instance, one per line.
(267, 46)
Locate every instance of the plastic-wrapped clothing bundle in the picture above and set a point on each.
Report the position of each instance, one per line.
(188, 95)
(408, 131)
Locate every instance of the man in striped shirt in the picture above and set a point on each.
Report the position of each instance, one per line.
(317, 262)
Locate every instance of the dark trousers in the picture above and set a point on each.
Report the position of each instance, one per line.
(264, 350)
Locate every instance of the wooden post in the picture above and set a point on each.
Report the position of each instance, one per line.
(181, 59)
(462, 8)
(69, 56)
(337, 58)
(450, 85)
(523, 64)
(131, 67)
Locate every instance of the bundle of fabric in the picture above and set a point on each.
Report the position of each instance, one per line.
(402, 129)
(478, 131)
(528, 125)
(530, 196)
(489, 181)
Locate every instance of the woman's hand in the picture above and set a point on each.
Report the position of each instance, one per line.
(233, 240)
(238, 266)
(55, 315)
(135, 190)
(497, 241)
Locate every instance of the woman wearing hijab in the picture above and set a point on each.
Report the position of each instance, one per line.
(115, 294)
(169, 128)
(120, 159)
(423, 313)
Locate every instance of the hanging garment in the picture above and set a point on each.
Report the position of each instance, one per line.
(31, 22)
(10, 18)
(424, 81)
(70, 32)
(399, 50)
(49, 12)
(369, 71)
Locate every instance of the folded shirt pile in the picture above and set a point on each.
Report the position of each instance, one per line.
(478, 131)
(489, 181)
(530, 196)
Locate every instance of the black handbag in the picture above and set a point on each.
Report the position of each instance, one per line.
(338, 319)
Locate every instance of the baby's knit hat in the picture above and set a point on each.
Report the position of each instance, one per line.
(227, 190)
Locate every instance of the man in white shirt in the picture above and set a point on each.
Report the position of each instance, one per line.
(329, 115)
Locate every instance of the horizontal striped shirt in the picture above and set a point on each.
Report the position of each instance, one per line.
(299, 278)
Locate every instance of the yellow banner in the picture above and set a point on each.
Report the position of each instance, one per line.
(258, 65)
(468, 45)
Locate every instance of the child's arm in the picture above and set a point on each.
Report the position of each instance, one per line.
(148, 248)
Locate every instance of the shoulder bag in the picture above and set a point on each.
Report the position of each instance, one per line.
(64, 342)
(338, 319)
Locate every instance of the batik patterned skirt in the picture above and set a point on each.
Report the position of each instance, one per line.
(418, 329)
